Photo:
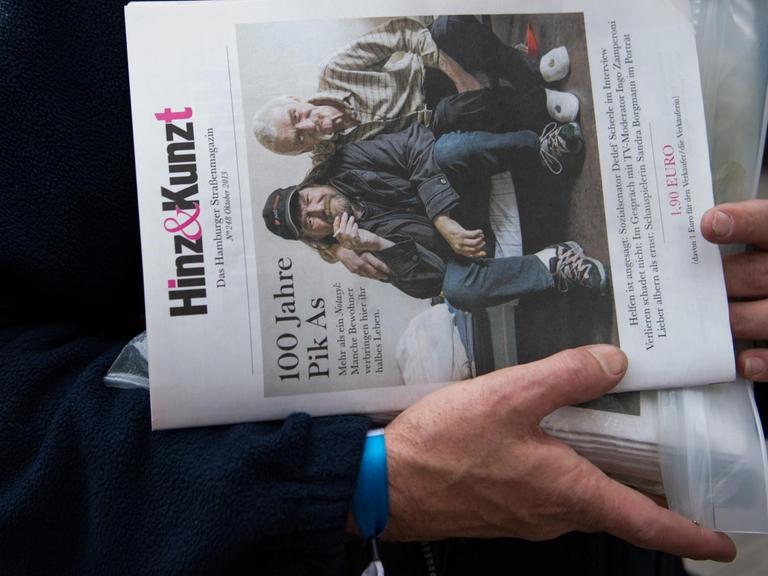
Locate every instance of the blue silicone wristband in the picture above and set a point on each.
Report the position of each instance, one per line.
(370, 505)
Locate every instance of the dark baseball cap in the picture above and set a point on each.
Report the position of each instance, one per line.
(281, 213)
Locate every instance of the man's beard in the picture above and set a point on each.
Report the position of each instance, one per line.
(336, 205)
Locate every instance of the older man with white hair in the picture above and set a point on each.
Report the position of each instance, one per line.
(362, 93)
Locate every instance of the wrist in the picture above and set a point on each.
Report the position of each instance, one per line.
(370, 506)
(330, 253)
(441, 219)
(445, 63)
(405, 502)
(382, 244)
(352, 526)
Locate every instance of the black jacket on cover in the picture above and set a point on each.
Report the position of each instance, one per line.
(401, 188)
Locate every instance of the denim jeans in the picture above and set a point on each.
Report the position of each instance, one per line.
(469, 159)
(470, 284)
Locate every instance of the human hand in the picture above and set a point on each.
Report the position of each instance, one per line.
(463, 80)
(328, 252)
(363, 264)
(470, 243)
(352, 237)
(746, 276)
(470, 460)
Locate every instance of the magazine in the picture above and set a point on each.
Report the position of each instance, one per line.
(502, 207)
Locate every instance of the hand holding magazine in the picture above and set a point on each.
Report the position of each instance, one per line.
(585, 156)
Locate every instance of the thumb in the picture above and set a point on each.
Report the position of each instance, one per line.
(564, 379)
(737, 222)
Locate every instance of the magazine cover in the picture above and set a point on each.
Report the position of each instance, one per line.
(344, 207)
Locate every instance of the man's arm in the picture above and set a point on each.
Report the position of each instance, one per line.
(363, 264)
(469, 243)
(408, 154)
(87, 488)
(371, 51)
(414, 269)
(463, 80)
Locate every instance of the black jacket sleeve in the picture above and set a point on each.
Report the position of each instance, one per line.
(408, 154)
(416, 270)
(86, 488)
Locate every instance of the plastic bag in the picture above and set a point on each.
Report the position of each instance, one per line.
(712, 456)
(719, 480)
(733, 62)
(131, 368)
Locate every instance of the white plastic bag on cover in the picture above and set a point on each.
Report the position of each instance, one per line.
(430, 349)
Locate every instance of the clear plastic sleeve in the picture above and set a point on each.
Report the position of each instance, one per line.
(712, 456)
(733, 62)
(131, 367)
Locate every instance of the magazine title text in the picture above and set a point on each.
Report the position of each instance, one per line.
(186, 291)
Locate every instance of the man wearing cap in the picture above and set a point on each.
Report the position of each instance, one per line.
(421, 207)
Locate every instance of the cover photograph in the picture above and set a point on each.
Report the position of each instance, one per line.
(344, 207)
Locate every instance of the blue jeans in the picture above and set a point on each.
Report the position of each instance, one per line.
(469, 284)
(469, 159)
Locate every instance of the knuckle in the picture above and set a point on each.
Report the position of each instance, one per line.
(739, 320)
(752, 218)
(757, 273)
(499, 390)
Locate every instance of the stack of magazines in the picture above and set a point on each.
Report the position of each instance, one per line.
(619, 433)
(580, 148)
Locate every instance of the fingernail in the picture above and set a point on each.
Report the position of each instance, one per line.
(613, 360)
(722, 224)
(754, 367)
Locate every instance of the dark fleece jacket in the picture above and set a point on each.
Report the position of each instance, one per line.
(85, 487)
